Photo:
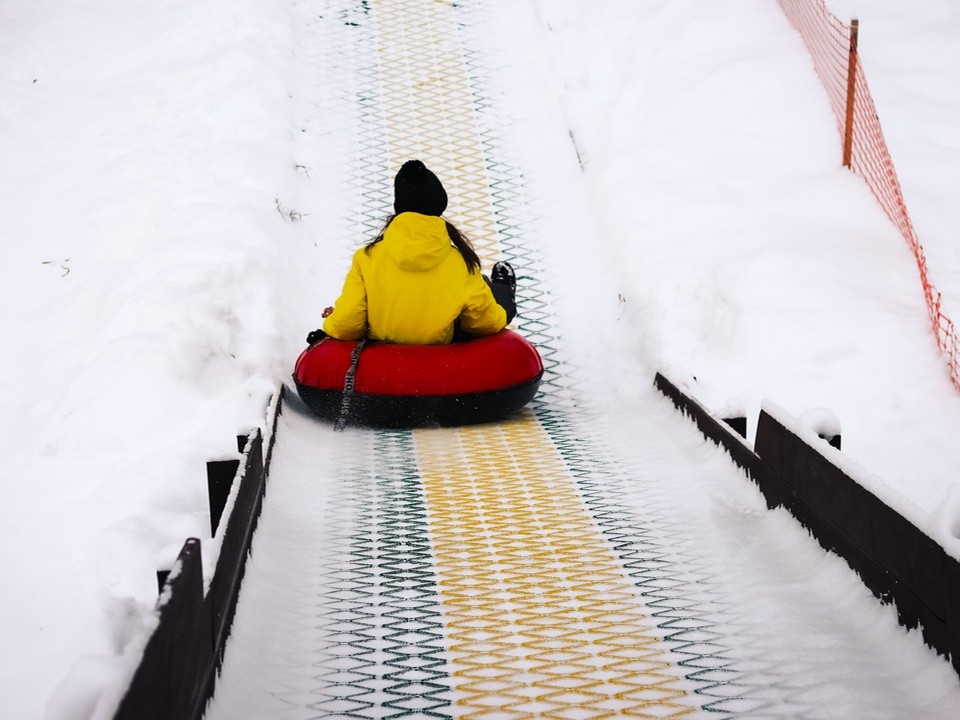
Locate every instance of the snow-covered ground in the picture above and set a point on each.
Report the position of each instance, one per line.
(746, 256)
(790, 632)
(166, 253)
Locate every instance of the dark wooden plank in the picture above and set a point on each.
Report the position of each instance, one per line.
(951, 593)
(868, 525)
(220, 475)
(712, 428)
(893, 557)
(225, 585)
(163, 685)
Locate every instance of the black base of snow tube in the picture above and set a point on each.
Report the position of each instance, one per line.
(401, 411)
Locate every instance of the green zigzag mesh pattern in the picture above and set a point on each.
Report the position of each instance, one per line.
(382, 655)
(381, 649)
(381, 652)
(681, 589)
(649, 566)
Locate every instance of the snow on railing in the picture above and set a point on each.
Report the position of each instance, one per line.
(900, 554)
(180, 660)
(833, 46)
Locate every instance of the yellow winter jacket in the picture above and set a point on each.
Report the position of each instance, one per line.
(410, 288)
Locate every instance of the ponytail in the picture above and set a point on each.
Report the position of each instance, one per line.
(379, 237)
(463, 244)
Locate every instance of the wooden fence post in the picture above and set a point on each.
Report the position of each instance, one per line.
(851, 93)
(220, 474)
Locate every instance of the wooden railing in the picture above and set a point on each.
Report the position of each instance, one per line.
(176, 674)
(894, 558)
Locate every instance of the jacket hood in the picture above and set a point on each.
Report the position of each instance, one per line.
(416, 242)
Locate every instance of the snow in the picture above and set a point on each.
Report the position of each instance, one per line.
(911, 68)
(744, 255)
(166, 251)
(143, 302)
(821, 422)
(801, 635)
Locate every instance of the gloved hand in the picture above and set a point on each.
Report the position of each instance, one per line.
(315, 336)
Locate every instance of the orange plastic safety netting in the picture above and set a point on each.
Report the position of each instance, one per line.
(828, 40)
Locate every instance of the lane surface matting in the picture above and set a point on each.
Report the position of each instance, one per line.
(489, 571)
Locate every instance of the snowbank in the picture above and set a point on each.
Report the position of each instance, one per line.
(742, 252)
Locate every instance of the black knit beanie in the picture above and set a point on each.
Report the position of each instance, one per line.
(416, 189)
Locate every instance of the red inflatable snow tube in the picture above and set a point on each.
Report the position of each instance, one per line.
(421, 385)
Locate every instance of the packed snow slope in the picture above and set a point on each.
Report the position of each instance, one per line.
(169, 224)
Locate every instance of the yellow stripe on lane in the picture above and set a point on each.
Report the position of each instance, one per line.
(540, 619)
(428, 110)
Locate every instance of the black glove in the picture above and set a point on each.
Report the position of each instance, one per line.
(315, 336)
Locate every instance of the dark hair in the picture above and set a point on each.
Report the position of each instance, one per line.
(460, 241)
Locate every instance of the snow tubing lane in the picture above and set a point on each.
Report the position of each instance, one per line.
(415, 385)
